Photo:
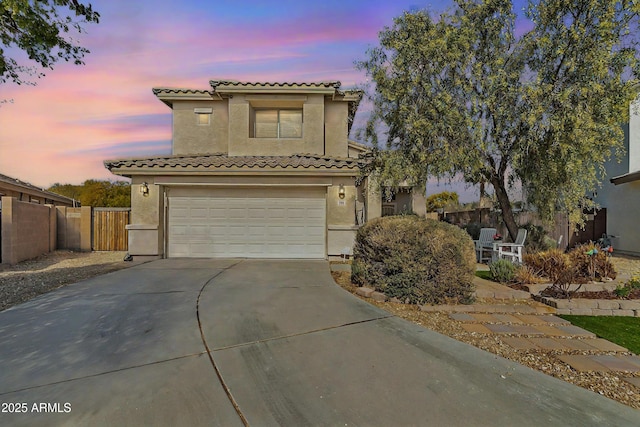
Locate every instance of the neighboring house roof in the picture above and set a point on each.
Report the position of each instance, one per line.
(221, 161)
(628, 177)
(14, 184)
(358, 146)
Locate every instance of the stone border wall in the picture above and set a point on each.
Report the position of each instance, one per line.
(593, 307)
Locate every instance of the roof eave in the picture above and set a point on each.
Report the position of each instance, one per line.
(299, 171)
(628, 177)
(168, 95)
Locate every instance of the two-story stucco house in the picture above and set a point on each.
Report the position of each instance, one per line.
(257, 170)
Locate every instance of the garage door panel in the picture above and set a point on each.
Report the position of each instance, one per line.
(272, 223)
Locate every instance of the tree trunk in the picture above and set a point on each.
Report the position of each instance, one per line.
(505, 205)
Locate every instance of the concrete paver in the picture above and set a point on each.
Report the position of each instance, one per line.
(603, 345)
(481, 317)
(507, 318)
(574, 330)
(552, 331)
(588, 344)
(520, 343)
(540, 319)
(501, 329)
(548, 343)
(583, 363)
(617, 363)
(462, 317)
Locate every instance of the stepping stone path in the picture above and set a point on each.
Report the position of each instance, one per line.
(546, 332)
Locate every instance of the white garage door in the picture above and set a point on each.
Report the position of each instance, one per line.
(251, 223)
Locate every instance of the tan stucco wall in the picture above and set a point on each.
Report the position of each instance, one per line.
(74, 228)
(373, 199)
(341, 223)
(312, 140)
(28, 230)
(192, 138)
(146, 231)
(341, 211)
(419, 201)
(336, 129)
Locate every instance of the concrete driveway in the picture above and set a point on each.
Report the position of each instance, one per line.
(222, 342)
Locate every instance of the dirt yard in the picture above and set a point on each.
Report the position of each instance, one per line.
(28, 279)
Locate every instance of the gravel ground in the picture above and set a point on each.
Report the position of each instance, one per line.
(609, 384)
(28, 279)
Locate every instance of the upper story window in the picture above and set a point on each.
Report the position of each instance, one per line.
(277, 123)
(203, 116)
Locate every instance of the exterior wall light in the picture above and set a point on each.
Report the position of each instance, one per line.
(144, 189)
(341, 191)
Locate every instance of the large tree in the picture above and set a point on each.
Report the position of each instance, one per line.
(97, 193)
(469, 93)
(39, 28)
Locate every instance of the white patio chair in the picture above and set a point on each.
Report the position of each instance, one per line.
(484, 244)
(511, 251)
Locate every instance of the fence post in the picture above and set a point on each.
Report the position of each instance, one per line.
(86, 229)
(9, 232)
(53, 229)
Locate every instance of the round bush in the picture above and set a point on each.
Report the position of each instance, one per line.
(420, 260)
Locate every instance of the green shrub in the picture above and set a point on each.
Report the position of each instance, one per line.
(420, 260)
(626, 289)
(622, 291)
(502, 271)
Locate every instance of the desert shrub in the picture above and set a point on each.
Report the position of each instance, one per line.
(420, 260)
(534, 262)
(473, 228)
(502, 270)
(554, 265)
(581, 264)
(591, 263)
(525, 275)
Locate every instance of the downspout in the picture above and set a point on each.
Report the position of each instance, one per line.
(165, 208)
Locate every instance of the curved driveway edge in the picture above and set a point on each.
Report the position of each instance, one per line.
(296, 349)
(292, 348)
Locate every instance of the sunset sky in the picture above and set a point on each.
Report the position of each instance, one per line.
(77, 116)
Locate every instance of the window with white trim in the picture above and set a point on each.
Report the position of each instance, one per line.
(277, 123)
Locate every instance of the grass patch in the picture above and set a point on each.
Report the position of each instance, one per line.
(484, 274)
(624, 331)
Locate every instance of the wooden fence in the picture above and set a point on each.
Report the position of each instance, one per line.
(109, 232)
(595, 225)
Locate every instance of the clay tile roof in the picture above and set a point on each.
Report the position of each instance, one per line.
(157, 90)
(221, 161)
(330, 84)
